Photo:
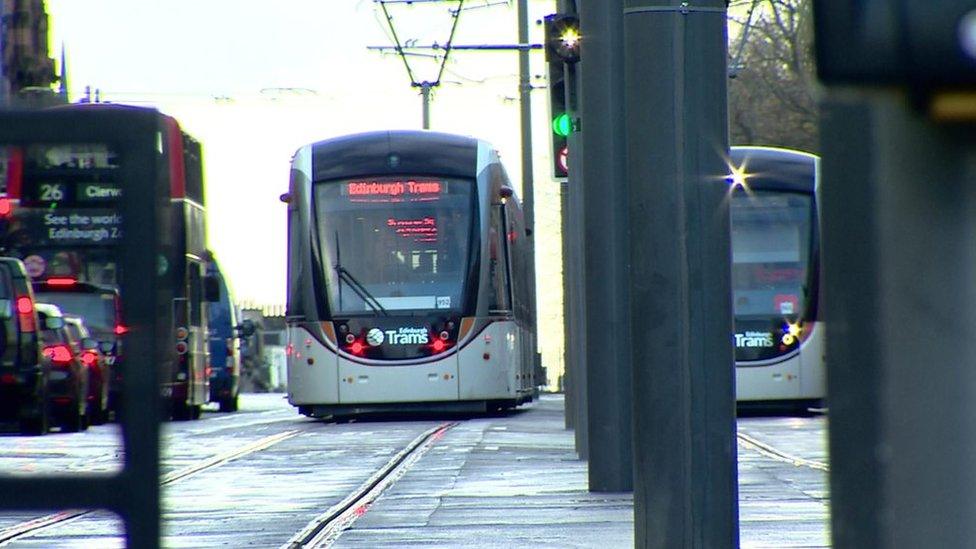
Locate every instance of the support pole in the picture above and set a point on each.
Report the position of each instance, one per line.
(606, 248)
(569, 361)
(685, 482)
(425, 98)
(575, 268)
(4, 81)
(900, 295)
(528, 179)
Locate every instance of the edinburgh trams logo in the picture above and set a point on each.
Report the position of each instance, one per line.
(754, 339)
(374, 337)
(399, 336)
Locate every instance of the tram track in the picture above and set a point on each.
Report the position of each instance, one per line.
(33, 526)
(779, 455)
(327, 527)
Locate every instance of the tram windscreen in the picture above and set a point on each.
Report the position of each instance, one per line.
(394, 243)
(771, 248)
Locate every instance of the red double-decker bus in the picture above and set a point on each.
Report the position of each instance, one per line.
(59, 213)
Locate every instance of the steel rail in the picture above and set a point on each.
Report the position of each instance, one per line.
(33, 526)
(326, 528)
(779, 455)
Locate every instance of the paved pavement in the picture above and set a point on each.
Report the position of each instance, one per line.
(515, 481)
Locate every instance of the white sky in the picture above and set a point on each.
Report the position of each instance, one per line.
(254, 80)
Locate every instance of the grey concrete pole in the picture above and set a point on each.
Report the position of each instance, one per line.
(685, 481)
(606, 247)
(576, 266)
(899, 216)
(569, 364)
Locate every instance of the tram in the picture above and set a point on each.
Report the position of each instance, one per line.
(409, 278)
(779, 336)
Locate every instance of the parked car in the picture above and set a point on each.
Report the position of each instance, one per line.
(99, 370)
(68, 381)
(101, 309)
(23, 370)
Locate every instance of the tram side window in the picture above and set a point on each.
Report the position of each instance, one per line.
(498, 263)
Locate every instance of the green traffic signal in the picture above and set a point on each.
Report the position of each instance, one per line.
(562, 125)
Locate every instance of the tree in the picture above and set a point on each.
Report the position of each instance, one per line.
(772, 80)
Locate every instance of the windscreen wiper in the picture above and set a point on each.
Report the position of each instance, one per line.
(361, 291)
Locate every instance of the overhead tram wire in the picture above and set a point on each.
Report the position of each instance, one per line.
(425, 86)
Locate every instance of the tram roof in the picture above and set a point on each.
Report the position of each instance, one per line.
(774, 168)
(395, 152)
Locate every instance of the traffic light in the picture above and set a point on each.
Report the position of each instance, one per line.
(560, 121)
(562, 38)
(918, 44)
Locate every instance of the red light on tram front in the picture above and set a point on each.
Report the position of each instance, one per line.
(438, 345)
(356, 347)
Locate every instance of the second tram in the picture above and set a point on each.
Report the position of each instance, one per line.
(778, 339)
(408, 278)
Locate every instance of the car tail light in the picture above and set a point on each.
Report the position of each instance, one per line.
(61, 282)
(25, 313)
(58, 353)
(120, 329)
(89, 358)
(6, 207)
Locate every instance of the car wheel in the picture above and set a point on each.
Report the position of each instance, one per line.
(229, 404)
(35, 425)
(74, 422)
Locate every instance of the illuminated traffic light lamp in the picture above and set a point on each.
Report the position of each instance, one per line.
(561, 124)
(562, 42)
(562, 38)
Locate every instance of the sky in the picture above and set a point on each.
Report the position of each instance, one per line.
(255, 80)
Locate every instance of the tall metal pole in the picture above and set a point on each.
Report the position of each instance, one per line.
(4, 81)
(425, 98)
(900, 300)
(528, 179)
(685, 481)
(525, 119)
(606, 247)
